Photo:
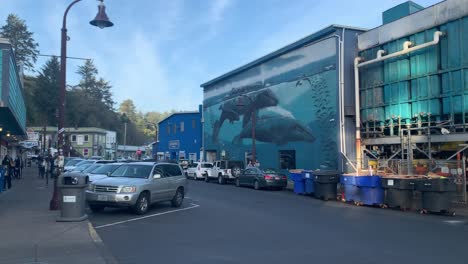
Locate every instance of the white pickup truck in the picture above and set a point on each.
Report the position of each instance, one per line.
(225, 170)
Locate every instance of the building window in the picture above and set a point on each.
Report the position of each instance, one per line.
(168, 129)
(174, 128)
(73, 138)
(86, 138)
(194, 123)
(182, 126)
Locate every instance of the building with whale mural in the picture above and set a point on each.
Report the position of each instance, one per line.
(301, 99)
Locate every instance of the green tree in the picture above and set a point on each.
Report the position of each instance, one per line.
(46, 92)
(128, 108)
(21, 39)
(96, 88)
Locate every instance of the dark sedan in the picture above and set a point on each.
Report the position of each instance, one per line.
(262, 178)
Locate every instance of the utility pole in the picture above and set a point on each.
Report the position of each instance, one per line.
(125, 138)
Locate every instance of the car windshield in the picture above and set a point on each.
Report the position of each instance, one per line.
(193, 165)
(83, 162)
(207, 165)
(132, 171)
(73, 162)
(82, 167)
(92, 168)
(104, 169)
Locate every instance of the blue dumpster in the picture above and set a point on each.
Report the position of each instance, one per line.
(363, 189)
(308, 177)
(299, 182)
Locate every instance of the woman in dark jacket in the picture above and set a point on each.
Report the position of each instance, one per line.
(6, 164)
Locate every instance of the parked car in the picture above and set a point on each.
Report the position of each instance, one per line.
(262, 178)
(225, 170)
(81, 167)
(71, 164)
(199, 170)
(137, 185)
(103, 172)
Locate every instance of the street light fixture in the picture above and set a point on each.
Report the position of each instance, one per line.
(101, 20)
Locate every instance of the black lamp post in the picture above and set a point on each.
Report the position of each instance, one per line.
(101, 20)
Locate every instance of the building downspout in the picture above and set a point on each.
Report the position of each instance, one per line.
(358, 114)
(406, 49)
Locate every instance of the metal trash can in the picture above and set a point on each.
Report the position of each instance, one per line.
(72, 187)
(399, 192)
(436, 195)
(325, 184)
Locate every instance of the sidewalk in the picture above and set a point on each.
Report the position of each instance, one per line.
(30, 234)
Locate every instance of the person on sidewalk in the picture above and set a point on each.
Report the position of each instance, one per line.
(18, 167)
(41, 166)
(6, 163)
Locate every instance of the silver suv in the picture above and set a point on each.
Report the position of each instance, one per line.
(137, 185)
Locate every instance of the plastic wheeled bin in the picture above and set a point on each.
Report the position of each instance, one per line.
(72, 187)
(399, 192)
(325, 184)
(308, 177)
(363, 189)
(436, 195)
(299, 182)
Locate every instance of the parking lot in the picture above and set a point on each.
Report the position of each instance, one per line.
(226, 224)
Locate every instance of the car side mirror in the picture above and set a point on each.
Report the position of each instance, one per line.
(108, 173)
(157, 176)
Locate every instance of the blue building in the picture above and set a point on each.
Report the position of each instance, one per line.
(180, 136)
(12, 106)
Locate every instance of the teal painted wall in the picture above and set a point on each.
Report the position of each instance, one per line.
(294, 98)
(15, 98)
(431, 83)
(1, 73)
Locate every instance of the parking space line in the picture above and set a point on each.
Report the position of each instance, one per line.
(147, 216)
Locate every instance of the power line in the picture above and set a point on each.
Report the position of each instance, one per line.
(73, 58)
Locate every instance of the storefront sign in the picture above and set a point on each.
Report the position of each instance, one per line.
(174, 144)
(29, 144)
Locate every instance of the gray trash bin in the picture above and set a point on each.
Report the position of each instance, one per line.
(72, 187)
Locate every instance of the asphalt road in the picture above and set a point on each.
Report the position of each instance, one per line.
(225, 224)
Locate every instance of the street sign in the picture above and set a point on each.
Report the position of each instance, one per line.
(61, 130)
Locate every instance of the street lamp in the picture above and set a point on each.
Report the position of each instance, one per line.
(252, 118)
(101, 20)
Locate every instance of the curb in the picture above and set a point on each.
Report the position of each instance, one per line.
(102, 249)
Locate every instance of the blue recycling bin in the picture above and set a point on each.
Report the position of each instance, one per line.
(363, 189)
(308, 177)
(299, 182)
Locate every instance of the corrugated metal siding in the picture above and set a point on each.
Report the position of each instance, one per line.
(430, 81)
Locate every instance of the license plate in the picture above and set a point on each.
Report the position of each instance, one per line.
(102, 198)
(277, 178)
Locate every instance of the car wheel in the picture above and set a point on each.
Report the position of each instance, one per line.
(206, 178)
(178, 198)
(96, 208)
(220, 179)
(256, 185)
(237, 182)
(142, 204)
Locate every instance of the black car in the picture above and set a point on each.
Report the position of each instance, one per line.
(262, 178)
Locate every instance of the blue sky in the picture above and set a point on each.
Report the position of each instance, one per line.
(159, 52)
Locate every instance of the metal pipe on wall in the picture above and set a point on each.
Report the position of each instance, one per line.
(357, 65)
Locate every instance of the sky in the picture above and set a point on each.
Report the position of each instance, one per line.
(159, 52)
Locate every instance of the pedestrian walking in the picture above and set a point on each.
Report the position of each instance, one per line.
(40, 166)
(257, 164)
(18, 167)
(250, 165)
(47, 168)
(6, 164)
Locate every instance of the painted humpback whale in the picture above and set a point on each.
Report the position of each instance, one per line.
(239, 106)
(276, 129)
